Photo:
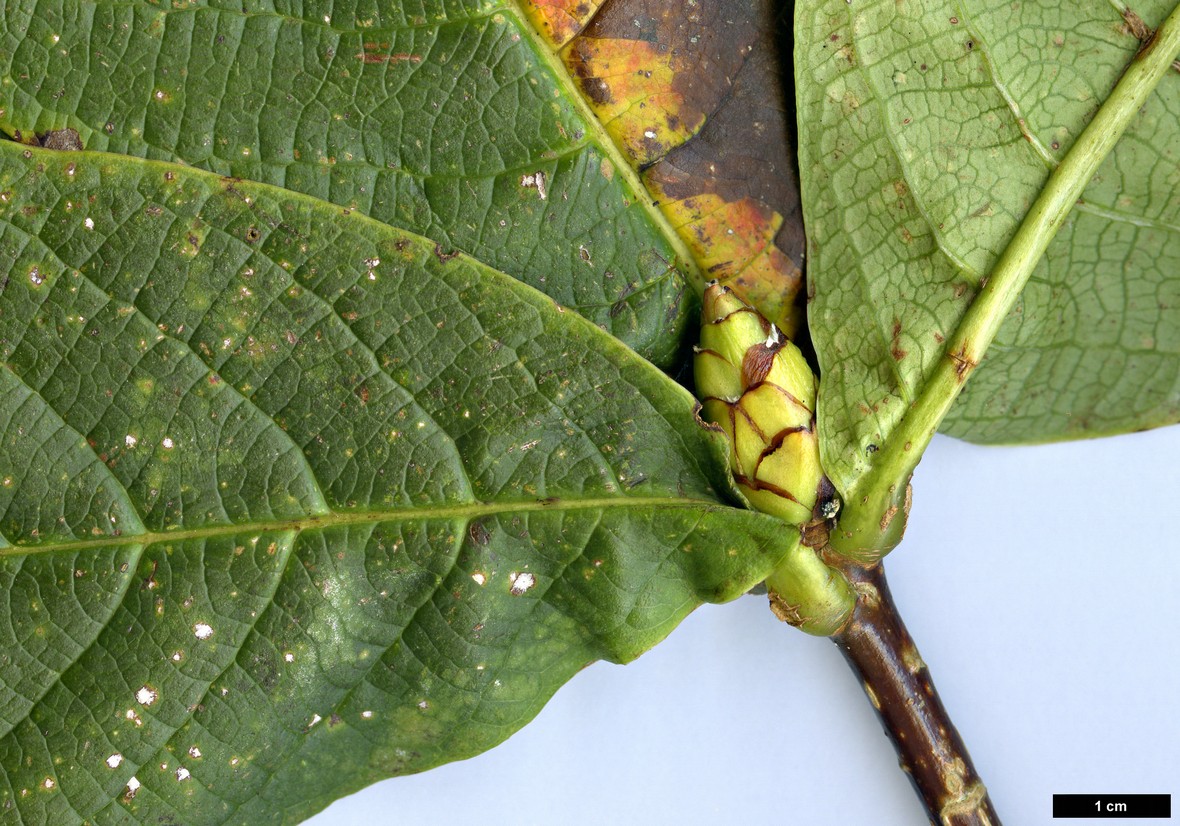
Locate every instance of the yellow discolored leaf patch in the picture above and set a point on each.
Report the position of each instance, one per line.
(734, 243)
(559, 21)
(632, 86)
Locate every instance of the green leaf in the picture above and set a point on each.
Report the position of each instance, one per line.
(1094, 347)
(441, 118)
(291, 500)
(926, 132)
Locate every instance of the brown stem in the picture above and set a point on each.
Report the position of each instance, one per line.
(879, 648)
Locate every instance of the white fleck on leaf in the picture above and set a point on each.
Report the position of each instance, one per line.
(536, 181)
(520, 583)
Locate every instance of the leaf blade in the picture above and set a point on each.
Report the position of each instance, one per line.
(570, 507)
(432, 120)
(917, 171)
(1077, 319)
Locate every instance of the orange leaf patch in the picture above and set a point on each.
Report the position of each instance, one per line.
(559, 21)
(734, 244)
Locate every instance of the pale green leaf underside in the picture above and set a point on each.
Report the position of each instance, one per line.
(927, 129)
(291, 501)
(430, 116)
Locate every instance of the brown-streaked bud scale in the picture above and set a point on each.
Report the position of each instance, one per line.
(759, 389)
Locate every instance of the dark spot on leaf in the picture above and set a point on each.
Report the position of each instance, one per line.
(252, 235)
(479, 534)
(150, 581)
(597, 89)
(1134, 25)
(894, 341)
(673, 310)
(64, 140)
(264, 669)
(444, 256)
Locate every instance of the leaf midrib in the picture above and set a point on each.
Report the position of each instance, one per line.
(467, 511)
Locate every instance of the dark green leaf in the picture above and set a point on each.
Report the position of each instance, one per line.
(444, 119)
(292, 501)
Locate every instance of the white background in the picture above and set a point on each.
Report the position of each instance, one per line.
(1040, 584)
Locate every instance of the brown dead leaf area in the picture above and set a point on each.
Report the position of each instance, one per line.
(696, 98)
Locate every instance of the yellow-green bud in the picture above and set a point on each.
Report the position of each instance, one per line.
(760, 389)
